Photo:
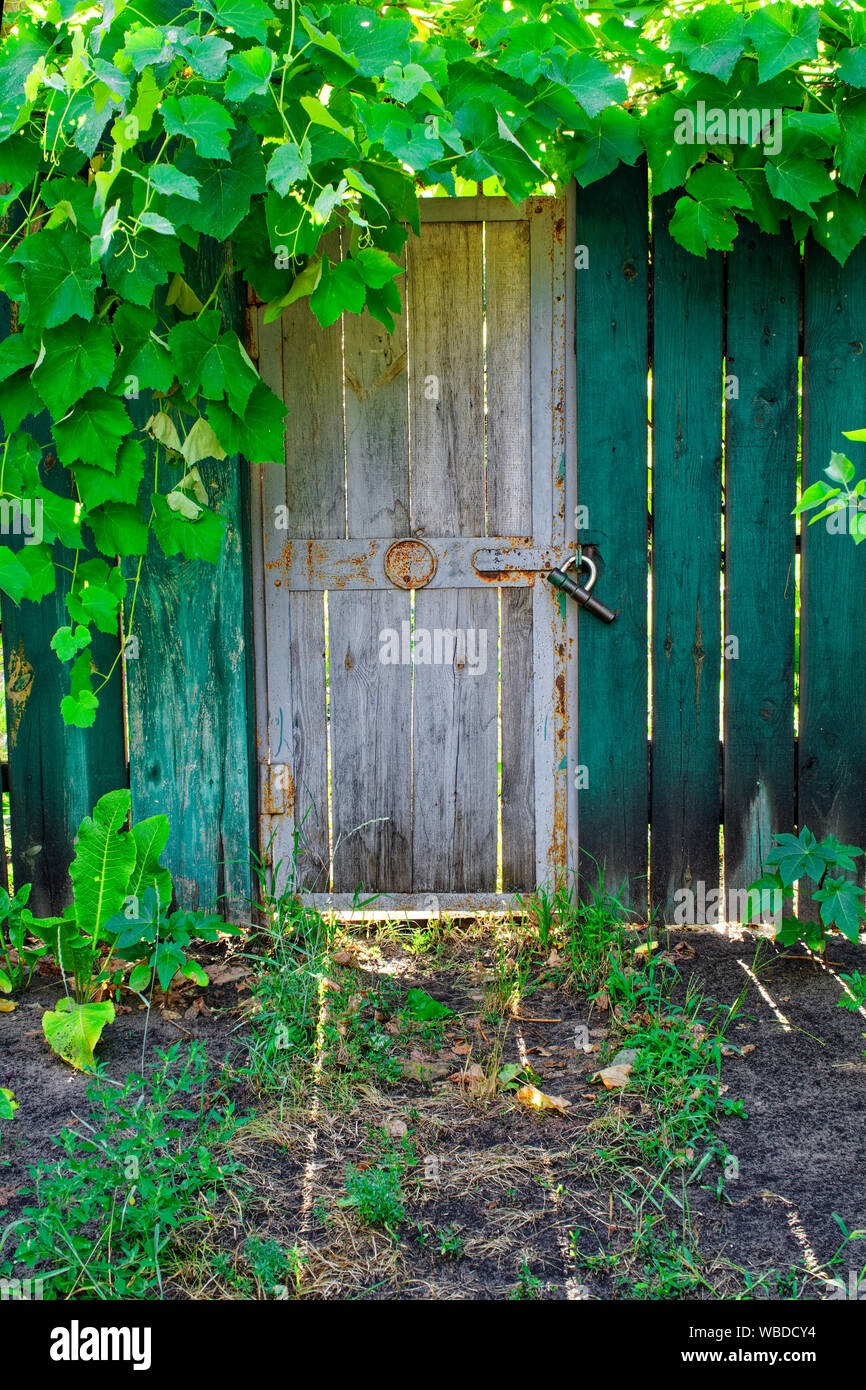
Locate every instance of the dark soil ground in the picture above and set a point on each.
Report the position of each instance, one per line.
(502, 1200)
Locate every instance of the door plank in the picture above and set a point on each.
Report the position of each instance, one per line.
(454, 720)
(760, 574)
(832, 761)
(509, 511)
(686, 638)
(371, 714)
(612, 486)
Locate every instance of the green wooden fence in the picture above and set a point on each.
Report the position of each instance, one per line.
(708, 549)
(682, 752)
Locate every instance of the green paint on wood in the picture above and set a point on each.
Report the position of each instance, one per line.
(56, 773)
(612, 484)
(188, 689)
(760, 575)
(686, 640)
(832, 734)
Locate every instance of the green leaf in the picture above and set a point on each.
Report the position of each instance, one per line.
(207, 56)
(710, 41)
(151, 837)
(303, 284)
(247, 17)
(180, 293)
(42, 578)
(105, 856)
(195, 540)
(118, 529)
(250, 74)
(201, 443)
(73, 1030)
(212, 363)
(95, 486)
(591, 83)
(76, 357)
(615, 138)
(172, 181)
(815, 496)
(290, 164)
(320, 115)
(67, 642)
(200, 119)
(700, 227)
(840, 905)
(226, 189)
(851, 154)
(260, 435)
(340, 289)
(783, 35)
(376, 267)
(669, 161)
(799, 181)
(14, 576)
(92, 433)
(840, 224)
(59, 279)
(423, 1006)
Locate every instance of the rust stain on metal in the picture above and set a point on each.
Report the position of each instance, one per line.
(410, 563)
(278, 790)
(698, 655)
(19, 685)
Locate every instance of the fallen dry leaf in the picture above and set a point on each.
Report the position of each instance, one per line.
(462, 1049)
(225, 973)
(684, 950)
(554, 958)
(342, 958)
(416, 1070)
(613, 1078)
(602, 1001)
(530, 1095)
(7, 1006)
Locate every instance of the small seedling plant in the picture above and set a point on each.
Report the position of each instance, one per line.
(119, 895)
(826, 862)
(146, 1160)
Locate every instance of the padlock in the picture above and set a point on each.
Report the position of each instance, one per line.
(581, 593)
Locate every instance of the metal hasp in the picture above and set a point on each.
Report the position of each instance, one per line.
(581, 593)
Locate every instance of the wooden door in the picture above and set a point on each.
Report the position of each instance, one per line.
(412, 668)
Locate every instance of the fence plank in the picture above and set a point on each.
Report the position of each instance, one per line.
(455, 733)
(760, 571)
(188, 689)
(832, 747)
(612, 486)
(371, 711)
(686, 617)
(56, 773)
(509, 512)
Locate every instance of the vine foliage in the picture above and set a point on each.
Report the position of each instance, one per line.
(129, 132)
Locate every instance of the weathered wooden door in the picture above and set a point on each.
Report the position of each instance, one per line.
(412, 698)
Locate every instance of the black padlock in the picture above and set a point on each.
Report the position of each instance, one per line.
(579, 592)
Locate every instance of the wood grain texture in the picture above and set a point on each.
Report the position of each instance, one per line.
(832, 731)
(686, 638)
(454, 722)
(509, 512)
(188, 697)
(371, 711)
(763, 294)
(612, 486)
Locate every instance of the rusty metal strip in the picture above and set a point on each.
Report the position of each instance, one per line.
(461, 563)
